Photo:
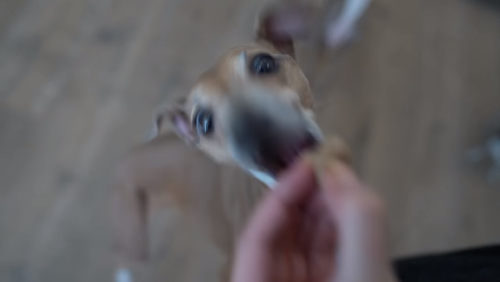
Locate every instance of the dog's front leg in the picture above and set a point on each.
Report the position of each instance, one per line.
(130, 219)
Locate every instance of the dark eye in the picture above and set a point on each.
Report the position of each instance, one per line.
(263, 64)
(204, 122)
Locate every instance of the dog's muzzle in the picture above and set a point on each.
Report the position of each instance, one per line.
(268, 135)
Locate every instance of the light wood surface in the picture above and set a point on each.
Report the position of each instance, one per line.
(79, 79)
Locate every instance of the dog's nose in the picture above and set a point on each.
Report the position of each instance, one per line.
(268, 139)
(266, 132)
(256, 132)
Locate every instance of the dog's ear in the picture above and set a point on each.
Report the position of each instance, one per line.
(279, 24)
(173, 117)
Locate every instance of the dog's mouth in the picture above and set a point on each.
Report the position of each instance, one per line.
(267, 135)
(278, 158)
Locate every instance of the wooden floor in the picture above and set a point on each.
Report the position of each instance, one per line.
(79, 79)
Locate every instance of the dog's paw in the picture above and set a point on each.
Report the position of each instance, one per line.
(123, 275)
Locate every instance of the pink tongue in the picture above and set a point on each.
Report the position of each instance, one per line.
(290, 157)
(290, 154)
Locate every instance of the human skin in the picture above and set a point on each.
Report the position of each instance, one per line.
(326, 228)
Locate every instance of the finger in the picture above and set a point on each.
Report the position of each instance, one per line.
(340, 175)
(338, 182)
(360, 221)
(318, 239)
(255, 259)
(296, 185)
(274, 212)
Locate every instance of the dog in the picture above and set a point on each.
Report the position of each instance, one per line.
(253, 110)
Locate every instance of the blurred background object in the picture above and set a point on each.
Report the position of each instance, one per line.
(488, 151)
(79, 80)
(492, 3)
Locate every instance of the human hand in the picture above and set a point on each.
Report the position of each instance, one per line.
(301, 232)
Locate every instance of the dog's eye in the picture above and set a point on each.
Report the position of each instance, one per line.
(204, 122)
(263, 64)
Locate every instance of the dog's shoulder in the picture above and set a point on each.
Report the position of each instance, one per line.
(163, 155)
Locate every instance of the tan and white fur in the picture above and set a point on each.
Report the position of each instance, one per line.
(253, 109)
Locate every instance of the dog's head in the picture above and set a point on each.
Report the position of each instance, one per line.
(254, 108)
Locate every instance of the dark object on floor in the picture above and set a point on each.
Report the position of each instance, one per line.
(495, 4)
(474, 265)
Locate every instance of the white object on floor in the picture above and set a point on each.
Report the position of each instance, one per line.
(343, 29)
(123, 275)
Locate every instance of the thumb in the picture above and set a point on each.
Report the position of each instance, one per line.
(272, 214)
(254, 258)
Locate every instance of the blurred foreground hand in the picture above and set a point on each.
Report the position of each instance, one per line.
(308, 229)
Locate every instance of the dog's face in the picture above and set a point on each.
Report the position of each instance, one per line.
(252, 108)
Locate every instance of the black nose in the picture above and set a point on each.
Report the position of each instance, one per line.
(257, 134)
(254, 131)
(266, 132)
